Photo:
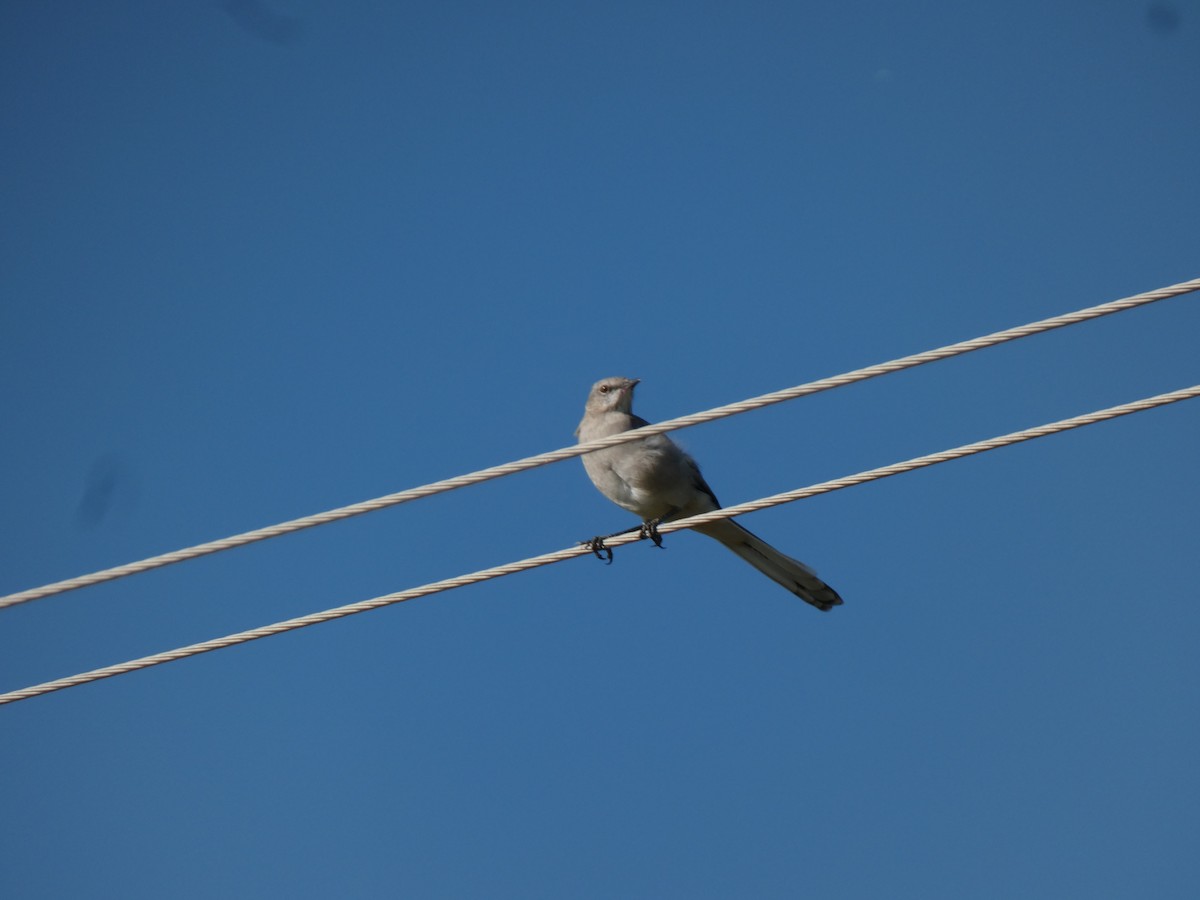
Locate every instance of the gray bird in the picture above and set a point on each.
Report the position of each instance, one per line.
(656, 481)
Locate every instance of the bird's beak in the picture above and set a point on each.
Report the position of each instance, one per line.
(633, 382)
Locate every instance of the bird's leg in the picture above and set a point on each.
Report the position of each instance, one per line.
(649, 529)
(597, 546)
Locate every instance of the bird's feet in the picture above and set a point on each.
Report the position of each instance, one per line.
(604, 552)
(601, 551)
(650, 530)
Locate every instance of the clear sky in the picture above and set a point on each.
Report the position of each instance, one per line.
(261, 258)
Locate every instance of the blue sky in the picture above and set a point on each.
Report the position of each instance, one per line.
(261, 259)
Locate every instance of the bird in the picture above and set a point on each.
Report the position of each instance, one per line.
(657, 481)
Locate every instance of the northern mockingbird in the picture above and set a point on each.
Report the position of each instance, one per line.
(657, 481)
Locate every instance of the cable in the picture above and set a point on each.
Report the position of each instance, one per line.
(534, 562)
(531, 462)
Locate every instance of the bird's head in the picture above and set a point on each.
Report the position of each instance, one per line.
(611, 395)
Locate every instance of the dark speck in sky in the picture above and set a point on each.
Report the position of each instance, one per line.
(259, 20)
(1163, 18)
(105, 479)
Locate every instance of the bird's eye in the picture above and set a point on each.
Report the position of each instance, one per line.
(604, 388)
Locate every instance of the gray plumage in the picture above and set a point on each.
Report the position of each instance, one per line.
(656, 481)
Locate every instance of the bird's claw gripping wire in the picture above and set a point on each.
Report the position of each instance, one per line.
(598, 548)
(603, 552)
(650, 530)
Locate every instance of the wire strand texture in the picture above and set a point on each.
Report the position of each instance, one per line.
(534, 562)
(541, 459)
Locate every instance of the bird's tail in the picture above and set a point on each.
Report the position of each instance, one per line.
(791, 573)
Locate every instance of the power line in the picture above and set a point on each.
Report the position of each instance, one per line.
(534, 562)
(541, 459)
